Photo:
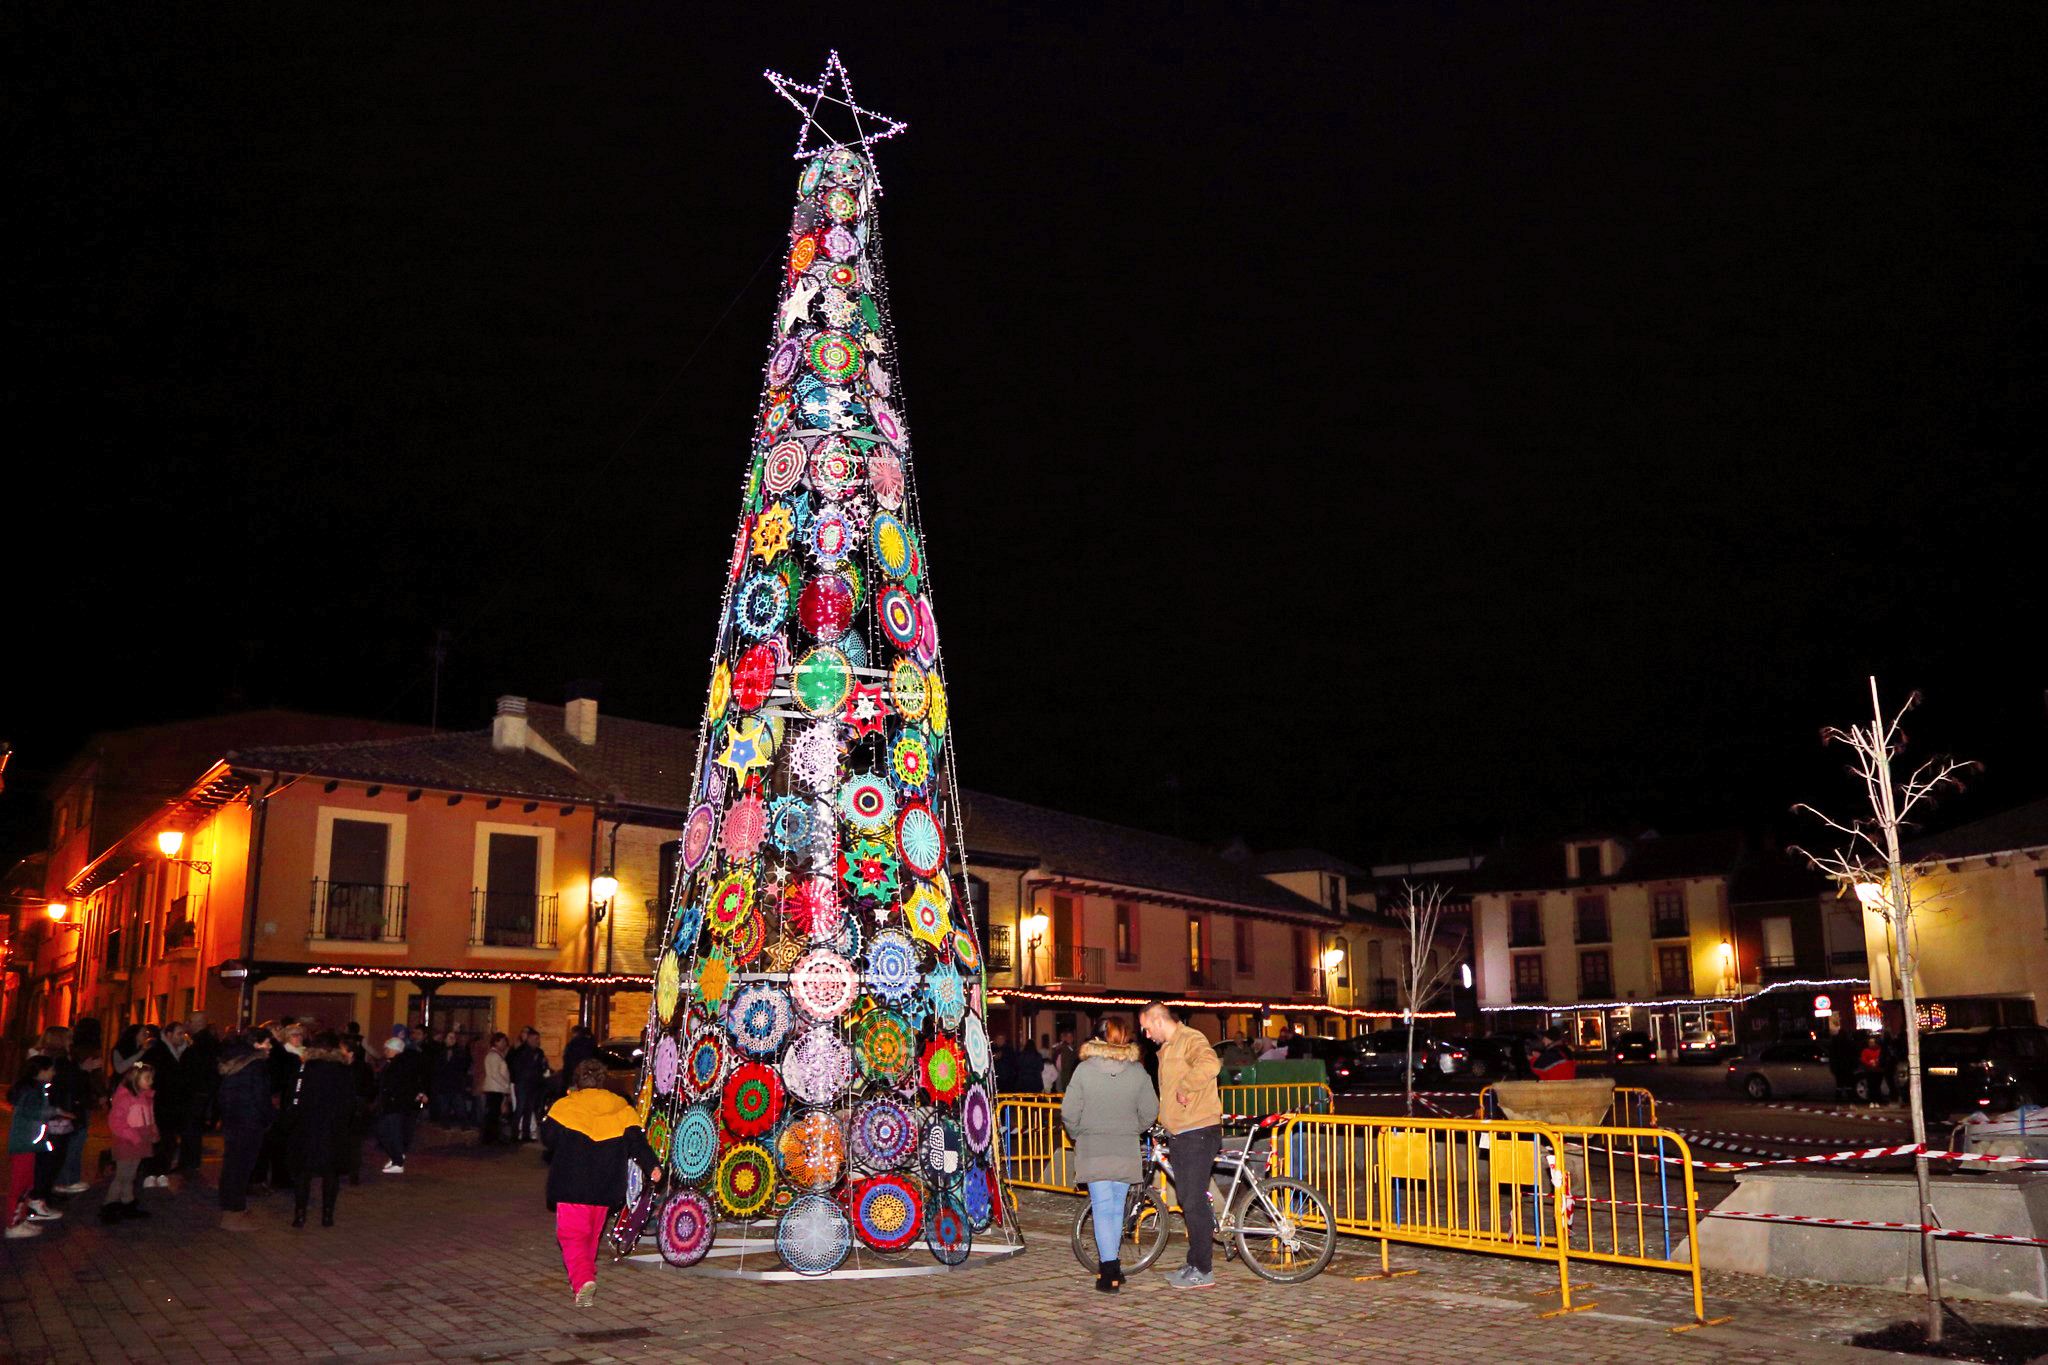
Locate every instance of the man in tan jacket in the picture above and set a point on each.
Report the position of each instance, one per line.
(1191, 1111)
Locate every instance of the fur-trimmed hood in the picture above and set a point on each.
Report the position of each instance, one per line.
(323, 1054)
(240, 1056)
(1114, 1056)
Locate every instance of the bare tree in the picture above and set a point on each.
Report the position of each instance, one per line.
(1425, 974)
(1867, 864)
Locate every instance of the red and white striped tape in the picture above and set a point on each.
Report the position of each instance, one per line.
(1858, 1154)
(1944, 1234)
(1706, 1135)
(1858, 1114)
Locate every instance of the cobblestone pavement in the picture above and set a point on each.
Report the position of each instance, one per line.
(455, 1260)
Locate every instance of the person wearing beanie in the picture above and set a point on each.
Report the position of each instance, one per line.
(401, 1089)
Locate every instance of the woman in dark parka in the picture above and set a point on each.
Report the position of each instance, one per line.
(318, 1142)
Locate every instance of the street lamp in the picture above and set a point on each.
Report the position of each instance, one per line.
(169, 841)
(57, 910)
(1033, 929)
(603, 888)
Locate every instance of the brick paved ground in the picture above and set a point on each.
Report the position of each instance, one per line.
(456, 1261)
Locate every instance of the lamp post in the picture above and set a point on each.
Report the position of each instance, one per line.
(604, 889)
(1033, 929)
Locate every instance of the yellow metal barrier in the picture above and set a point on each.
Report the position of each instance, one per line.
(1036, 1152)
(1634, 1107)
(1457, 1183)
(1622, 1196)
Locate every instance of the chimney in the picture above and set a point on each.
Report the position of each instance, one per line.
(508, 727)
(579, 714)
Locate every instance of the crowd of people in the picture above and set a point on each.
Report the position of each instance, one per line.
(294, 1105)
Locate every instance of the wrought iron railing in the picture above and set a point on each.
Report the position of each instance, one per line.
(1081, 965)
(511, 919)
(358, 912)
(1211, 974)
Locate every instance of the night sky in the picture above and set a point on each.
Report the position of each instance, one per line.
(1390, 428)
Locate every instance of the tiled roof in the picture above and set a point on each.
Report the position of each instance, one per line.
(1093, 850)
(1541, 867)
(639, 762)
(463, 761)
(2006, 832)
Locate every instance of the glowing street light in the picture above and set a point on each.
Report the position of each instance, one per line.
(57, 910)
(169, 841)
(603, 888)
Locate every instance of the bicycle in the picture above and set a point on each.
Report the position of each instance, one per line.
(1280, 1227)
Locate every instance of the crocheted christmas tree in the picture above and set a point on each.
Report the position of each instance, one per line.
(818, 1065)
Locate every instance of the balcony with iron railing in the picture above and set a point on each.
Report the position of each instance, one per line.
(1527, 934)
(512, 919)
(1385, 994)
(1788, 967)
(1080, 966)
(1669, 926)
(358, 912)
(1211, 974)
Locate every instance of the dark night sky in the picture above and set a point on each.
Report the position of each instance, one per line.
(1376, 426)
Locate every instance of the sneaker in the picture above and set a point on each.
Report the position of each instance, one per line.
(1187, 1277)
(587, 1295)
(393, 1168)
(78, 1187)
(23, 1229)
(42, 1212)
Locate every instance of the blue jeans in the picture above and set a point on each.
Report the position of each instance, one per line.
(1107, 1197)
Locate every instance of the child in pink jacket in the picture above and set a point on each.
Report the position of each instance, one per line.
(133, 1128)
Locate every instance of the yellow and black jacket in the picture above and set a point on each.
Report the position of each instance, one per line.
(591, 1135)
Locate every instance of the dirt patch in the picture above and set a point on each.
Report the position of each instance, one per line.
(1991, 1343)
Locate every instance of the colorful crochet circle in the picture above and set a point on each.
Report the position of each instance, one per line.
(887, 1047)
(811, 906)
(974, 1038)
(869, 869)
(946, 994)
(790, 824)
(927, 633)
(842, 204)
(897, 611)
(841, 244)
(759, 1018)
(812, 1149)
(887, 1212)
(694, 1147)
(781, 369)
(817, 1066)
(825, 607)
(884, 1135)
(947, 1234)
(801, 253)
(941, 1151)
(752, 1103)
(977, 1118)
(814, 1236)
(908, 690)
(668, 986)
(689, 924)
(685, 1228)
(894, 550)
(754, 679)
(730, 901)
(919, 840)
(835, 356)
(746, 1179)
(867, 803)
(831, 537)
(940, 709)
(942, 1071)
(714, 980)
(892, 966)
(667, 1058)
(823, 985)
(721, 691)
(910, 762)
(885, 477)
(746, 824)
(657, 1132)
(966, 955)
(763, 601)
(924, 909)
(835, 467)
(889, 424)
(697, 834)
(813, 756)
(977, 1200)
(749, 939)
(813, 172)
(821, 679)
(704, 1064)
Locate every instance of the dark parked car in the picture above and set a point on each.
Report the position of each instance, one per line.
(1482, 1058)
(1377, 1060)
(1696, 1048)
(1634, 1047)
(1990, 1069)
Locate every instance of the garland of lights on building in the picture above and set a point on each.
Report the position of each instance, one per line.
(818, 1068)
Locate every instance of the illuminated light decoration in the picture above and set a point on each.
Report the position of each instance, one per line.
(1932, 1015)
(891, 966)
(925, 910)
(910, 689)
(893, 548)
(1831, 983)
(811, 906)
(730, 901)
(1869, 1015)
(832, 537)
(825, 608)
(1011, 995)
(698, 832)
(787, 460)
(772, 531)
(721, 692)
(910, 762)
(867, 803)
(869, 869)
(746, 825)
(897, 611)
(746, 1179)
(790, 824)
(885, 478)
(754, 679)
(814, 757)
(866, 711)
(752, 1102)
(919, 840)
(821, 680)
(762, 604)
(942, 1071)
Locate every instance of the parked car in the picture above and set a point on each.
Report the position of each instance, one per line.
(1634, 1047)
(1482, 1058)
(1701, 1047)
(1378, 1060)
(622, 1058)
(1790, 1070)
(1991, 1069)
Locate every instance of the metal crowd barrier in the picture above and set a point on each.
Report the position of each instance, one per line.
(1038, 1154)
(1634, 1107)
(1623, 1196)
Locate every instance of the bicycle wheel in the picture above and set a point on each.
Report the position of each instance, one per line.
(1144, 1233)
(1284, 1231)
